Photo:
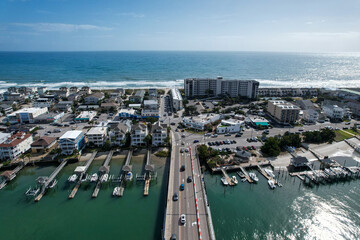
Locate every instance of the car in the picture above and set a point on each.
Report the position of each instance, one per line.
(183, 219)
(172, 123)
(176, 130)
(72, 122)
(165, 115)
(57, 130)
(183, 136)
(186, 150)
(253, 147)
(210, 143)
(66, 125)
(347, 123)
(49, 132)
(182, 143)
(227, 134)
(238, 148)
(266, 132)
(345, 128)
(189, 179)
(182, 130)
(173, 236)
(175, 197)
(207, 134)
(182, 168)
(244, 148)
(301, 129)
(234, 142)
(238, 135)
(221, 143)
(182, 187)
(196, 141)
(214, 135)
(249, 140)
(181, 150)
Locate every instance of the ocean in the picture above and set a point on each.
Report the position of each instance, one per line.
(140, 69)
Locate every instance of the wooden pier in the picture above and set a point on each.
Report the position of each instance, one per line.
(146, 188)
(82, 171)
(228, 179)
(48, 180)
(262, 171)
(9, 175)
(105, 169)
(247, 177)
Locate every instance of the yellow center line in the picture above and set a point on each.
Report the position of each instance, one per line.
(179, 195)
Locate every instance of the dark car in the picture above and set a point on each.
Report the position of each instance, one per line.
(173, 236)
(238, 135)
(182, 168)
(189, 179)
(196, 141)
(175, 197)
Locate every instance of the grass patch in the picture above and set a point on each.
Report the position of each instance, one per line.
(351, 131)
(162, 154)
(195, 131)
(341, 135)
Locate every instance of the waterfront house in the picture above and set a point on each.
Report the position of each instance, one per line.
(138, 133)
(43, 144)
(176, 99)
(70, 141)
(299, 162)
(159, 134)
(15, 145)
(242, 156)
(85, 90)
(97, 136)
(117, 133)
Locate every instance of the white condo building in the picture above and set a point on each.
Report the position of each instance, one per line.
(97, 136)
(15, 145)
(333, 111)
(199, 122)
(218, 86)
(70, 141)
(159, 134)
(138, 133)
(176, 98)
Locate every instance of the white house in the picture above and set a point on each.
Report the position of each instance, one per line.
(229, 126)
(127, 113)
(94, 98)
(176, 98)
(86, 116)
(199, 122)
(97, 136)
(26, 115)
(70, 141)
(333, 111)
(42, 103)
(159, 134)
(138, 133)
(310, 115)
(118, 133)
(15, 145)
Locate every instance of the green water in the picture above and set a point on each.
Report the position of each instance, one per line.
(295, 211)
(56, 217)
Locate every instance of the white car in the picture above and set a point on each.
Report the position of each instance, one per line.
(183, 219)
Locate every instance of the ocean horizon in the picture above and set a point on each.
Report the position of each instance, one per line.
(165, 69)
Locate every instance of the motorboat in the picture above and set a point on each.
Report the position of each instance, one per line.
(234, 180)
(104, 177)
(271, 184)
(72, 178)
(253, 177)
(94, 177)
(32, 191)
(53, 183)
(128, 176)
(116, 192)
(279, 184)
(223, 180)
(269, 172)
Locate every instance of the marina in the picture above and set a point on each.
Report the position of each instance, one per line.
(103, 173)
(9, 175)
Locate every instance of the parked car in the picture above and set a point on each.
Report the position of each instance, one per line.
(227, 134)
(196, 141)
(238, 135)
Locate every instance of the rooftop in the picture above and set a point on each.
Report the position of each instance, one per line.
(71, 134)
(175, 93)
(96, 131)
(15, 139)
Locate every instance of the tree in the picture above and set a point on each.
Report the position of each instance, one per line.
(203, 153)
(271, 147)
(147, 140)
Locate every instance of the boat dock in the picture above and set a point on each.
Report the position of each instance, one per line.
(247, 177)
(228, 179)
(149, 168)
(81, 170)
(45, 181)
(126, 168)
(9, 175)
(262, 172)
(105, 169)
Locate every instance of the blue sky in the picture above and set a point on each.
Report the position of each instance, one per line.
(229, 25)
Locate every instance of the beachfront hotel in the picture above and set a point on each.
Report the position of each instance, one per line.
(218, 86)
(283, 111)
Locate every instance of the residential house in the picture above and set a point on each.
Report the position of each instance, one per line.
(138, 97)
(310, 115)
(333, 112)
(138, 134)
(64, 106)
(42, 102)
(159, 134)
(127, 113)
(117, 133)
(70, 141)
(15, 145)
(43, 144)
(94, 98)
(97, 136)
(26, 115)
(85, 116)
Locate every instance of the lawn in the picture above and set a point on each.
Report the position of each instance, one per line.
(351, 131)
(341, 135)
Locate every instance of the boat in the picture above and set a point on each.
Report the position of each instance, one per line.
(72, 178)
(269, 172)
(223, 180)
(234, 180)
(253, 177)
(243, 180)
(271, 184)
(94, 177)
(128, 176)
(32, 191)
(279, 184)
(104, 177)
(241, 175)
(53, 183)
(116, 192)
(3, 184)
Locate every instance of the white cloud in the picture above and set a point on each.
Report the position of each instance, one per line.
(59, 27)
(309, 23)
(132, 14)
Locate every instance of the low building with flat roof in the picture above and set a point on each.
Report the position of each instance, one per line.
(259, 121)
(199, 122)
(86, 116)
(229, 126)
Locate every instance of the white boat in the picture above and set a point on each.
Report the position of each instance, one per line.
(128, 176)
(116, 192)
(234, 180)
(104, 177)
(253, 177)
(32, 192)
(271, 184)
(269, 172)
(53, 183)
(94, 177)
(279, 184)
(72, 178)
(223, 180)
